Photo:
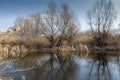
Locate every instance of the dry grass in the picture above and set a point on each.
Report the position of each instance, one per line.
(38, 43)
(67, 48)
(84, 39)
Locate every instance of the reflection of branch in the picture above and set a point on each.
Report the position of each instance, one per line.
(98, 70)
(55, 68)
(100, 64)
(91, 70)
(61, 61)
(108, 73)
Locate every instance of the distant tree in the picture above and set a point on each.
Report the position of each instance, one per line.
(29, 26)
(21, 21)
(36, 20)
(100, 19)
(26, 34)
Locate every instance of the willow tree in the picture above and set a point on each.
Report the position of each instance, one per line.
(100, 19)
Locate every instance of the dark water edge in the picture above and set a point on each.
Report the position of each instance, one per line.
(50, 66)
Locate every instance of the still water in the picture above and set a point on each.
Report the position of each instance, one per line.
(42, 66)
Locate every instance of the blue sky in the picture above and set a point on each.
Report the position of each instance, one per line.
(11, 9)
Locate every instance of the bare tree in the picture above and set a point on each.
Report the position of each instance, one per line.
(20, 21)
(67, 27)
(100, 18)
(58, 26)
(26, 34)
(36, 20)
(49, 24)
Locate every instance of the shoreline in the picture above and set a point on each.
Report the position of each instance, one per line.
(64, 50)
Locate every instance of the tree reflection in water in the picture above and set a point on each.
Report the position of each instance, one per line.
(117, 62)
(99, 67)
(56, 67)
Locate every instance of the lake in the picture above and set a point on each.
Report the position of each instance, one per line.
(54, 66)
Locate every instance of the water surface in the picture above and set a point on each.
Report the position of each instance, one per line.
(49, 66)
